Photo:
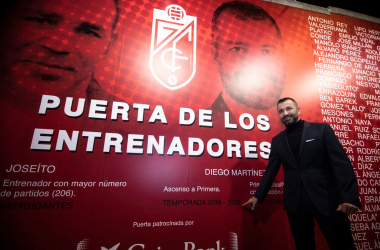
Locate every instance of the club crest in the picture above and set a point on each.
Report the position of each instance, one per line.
(173, 47)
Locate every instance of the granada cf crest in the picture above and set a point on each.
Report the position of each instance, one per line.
(173, 47)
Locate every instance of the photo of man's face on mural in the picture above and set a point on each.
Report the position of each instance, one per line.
(248, 48)
(53, 47)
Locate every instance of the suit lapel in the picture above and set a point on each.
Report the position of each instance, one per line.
(285, 143)
(305, 133)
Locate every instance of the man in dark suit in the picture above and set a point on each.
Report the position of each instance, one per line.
(319, 180)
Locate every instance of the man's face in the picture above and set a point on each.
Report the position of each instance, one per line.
(289, 113)
(251, 60)
(52, 47)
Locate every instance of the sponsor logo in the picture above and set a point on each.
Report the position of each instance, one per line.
(112, 248)
(173, 47)
(188, 246)
(84, 244)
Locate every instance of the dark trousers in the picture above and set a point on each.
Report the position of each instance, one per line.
(335, 228)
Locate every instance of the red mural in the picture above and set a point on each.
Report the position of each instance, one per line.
(147, 124)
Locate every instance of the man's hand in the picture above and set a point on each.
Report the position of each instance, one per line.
(251, 202)
(347, 208)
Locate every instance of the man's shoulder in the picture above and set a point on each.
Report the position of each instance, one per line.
(316, 124)
(311, 125)
(319, 128)
(218, 108)
(219, 105)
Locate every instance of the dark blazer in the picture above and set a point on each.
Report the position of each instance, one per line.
(322, 167)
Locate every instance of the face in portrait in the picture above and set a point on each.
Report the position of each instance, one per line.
(52, 47)
(248, 47)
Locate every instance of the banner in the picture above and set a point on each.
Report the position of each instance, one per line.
(147, 124)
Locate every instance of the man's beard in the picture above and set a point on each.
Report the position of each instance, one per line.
(292, 121)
